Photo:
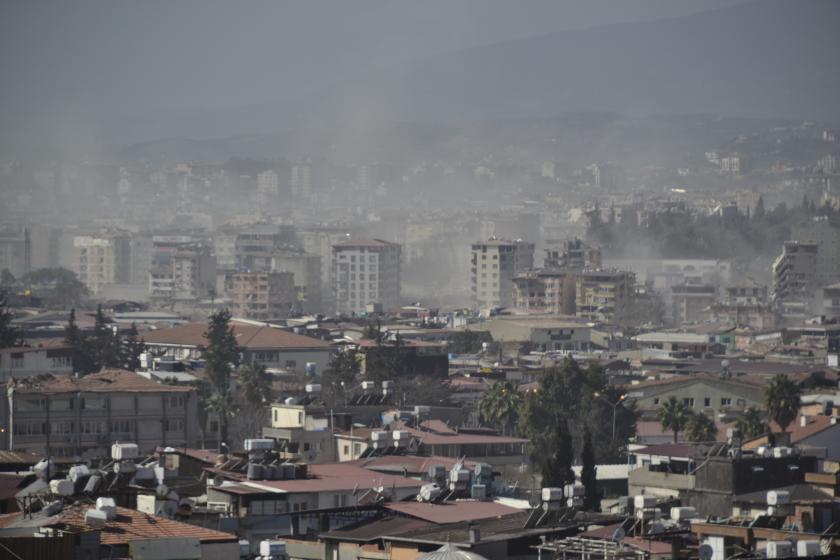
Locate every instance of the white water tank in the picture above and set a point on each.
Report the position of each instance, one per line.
(778, 497)
(121, 451)
(78, 471)
(552, 494)
(808, 548)
(642, 501)
(272, 548)
(779, 549)
(108, 505)
(261, 444)
(62, 487)
(95, 518)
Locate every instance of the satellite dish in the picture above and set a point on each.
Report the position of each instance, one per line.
(618, 535)
(706, 552)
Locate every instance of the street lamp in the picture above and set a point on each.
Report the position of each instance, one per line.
(614, 406)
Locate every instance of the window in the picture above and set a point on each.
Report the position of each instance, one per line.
(291, 364)
(346, 449)
(357, 449)
(17, 360)
(175, 401)
(725, 402)
(656, 400)
(90, 427)
(174, 425)
(61, 428)
(306, 446)
(94, 403)
(707, 402)
(122, 426)
(30, 428)
(214, 426)
(688, 402)
(62, 361)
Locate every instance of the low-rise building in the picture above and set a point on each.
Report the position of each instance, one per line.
(28, 361)
(545, 334)
(269, 346)
(701, 393)
(82, 416)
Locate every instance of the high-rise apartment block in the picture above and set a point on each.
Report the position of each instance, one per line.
(102, 259)
(602, 295)
(365, 272)
(494, 263)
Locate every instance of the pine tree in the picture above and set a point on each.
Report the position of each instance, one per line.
(222, 352)
(588, 474)
(9, 335)
(107, 347)
(557, 470)
(81, 350)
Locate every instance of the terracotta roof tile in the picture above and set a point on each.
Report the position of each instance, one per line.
(451, 512)
(106, 381)
(130, 525)
(247, 336)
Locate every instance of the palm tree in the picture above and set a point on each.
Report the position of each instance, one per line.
(701, 428)
(751, 423)
(500, 405)
(782, 398)
(674, 416)
(225, 409)
(254, 385)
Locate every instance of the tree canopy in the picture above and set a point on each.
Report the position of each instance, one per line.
(782, 397)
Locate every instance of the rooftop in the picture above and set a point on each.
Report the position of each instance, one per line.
(250, 337)
(334, 477)
(127, 526)
(369, 243)
(106, 381)
(451, 512)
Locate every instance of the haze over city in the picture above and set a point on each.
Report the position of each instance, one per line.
(391, 279)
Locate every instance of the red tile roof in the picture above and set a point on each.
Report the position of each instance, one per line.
(798, 432)
(334, 477)
(412, 464)
(131, 524)
(106, 381)
(369, 243)
(668, 450)
(451, 512)
(250, 337)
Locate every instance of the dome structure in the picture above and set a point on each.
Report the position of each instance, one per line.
(451, 552)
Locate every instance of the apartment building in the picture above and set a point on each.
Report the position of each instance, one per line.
(66, 416)
(188, 274)
(268, 183)
(29, 361)
(600, 295)
(795, 279)
(572, 254)
(306, 269)
(544, 291)
(262, 295)
(493, 265)
(365, 272)
(101, 260)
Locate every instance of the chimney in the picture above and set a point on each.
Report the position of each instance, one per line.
(475, 533)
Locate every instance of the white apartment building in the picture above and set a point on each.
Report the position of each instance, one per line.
(101, 260)
(268, 183)
(366, 271)
(493, 264)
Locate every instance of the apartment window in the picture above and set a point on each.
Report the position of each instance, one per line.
(346, 449)
(90, 427)
(306, 446)
(94, 403)
(29, 405)
(725, 402)
(61, 404)
(17, 360)
(122, 426)
(174, 425)
(176, 401)
(707, 402)
(291, 364)
(61, 428)
(688, 402)
(214, 426)
(357, 449)
(656, 400)
(30, 428)
(62, 361)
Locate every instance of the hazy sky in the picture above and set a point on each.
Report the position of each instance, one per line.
(80, 65)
